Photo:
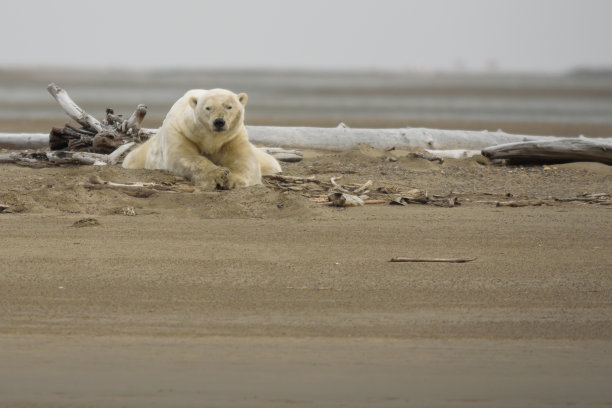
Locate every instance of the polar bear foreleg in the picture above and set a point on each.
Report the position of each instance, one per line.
(200, 170)
(240, 158)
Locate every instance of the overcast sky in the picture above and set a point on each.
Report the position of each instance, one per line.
(512, 35)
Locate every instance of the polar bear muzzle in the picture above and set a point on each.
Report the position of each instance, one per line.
(219, 125)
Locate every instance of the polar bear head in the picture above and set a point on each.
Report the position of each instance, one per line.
(218, 110)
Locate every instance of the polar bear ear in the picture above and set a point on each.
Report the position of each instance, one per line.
(193, 101)
(243, 98)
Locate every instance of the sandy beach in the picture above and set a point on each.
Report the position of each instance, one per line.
(261, 297)
(267, 297)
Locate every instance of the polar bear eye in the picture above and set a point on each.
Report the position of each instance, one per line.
(229, 107)
(208, 108)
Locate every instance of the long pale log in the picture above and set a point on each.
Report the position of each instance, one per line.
(344, 138)
(20, 141)
(402, 138)
(554, 151)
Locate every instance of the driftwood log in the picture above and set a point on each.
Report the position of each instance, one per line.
(559, 150)
(439, 142)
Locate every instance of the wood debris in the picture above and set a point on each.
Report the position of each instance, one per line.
(95, 136)
(137, 189)
(521, 203)
(349, 195)
(56, 158)
(86, 222)
(596, 198)
(428, 157)
(344, 200)
(449, 260)
(416, 196)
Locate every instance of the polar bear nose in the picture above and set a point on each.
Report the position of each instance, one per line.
(219, 123)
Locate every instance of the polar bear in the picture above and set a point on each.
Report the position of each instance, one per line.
(203, 139)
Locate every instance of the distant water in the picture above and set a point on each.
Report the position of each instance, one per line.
(338, 96)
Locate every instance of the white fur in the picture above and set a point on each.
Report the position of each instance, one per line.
(189, 145)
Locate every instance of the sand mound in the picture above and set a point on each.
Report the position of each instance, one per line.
(65, 189)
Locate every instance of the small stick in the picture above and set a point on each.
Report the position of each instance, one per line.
(524, 203)
(291, 179)
(338, 187)
(363, 187)
(428, 157)
(451, 260)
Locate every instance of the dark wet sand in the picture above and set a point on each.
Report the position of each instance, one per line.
(77, 371)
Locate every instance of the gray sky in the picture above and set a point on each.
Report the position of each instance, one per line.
(514, 35)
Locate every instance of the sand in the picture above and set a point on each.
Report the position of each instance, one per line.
(259, 297)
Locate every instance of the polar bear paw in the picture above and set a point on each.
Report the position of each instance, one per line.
(219, 177)
(234, 181)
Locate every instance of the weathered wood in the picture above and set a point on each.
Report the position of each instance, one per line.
(284, 155)
(116, 155)
(20, 141)
(98, 137)
(290, 179)
(344, 200)
(521, 203)
(454, 153)
(428, 157)
(558, 150)
(73, 110)
(450, 260)
(63, 157)
(135, 121)
(442, 143)
(600, 198)
(379, 138)
(56, 157)
(404, 138)
(143, 189)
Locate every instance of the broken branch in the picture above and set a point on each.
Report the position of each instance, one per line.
(450, 260)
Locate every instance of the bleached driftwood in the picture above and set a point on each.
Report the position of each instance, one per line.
(454, 153)
(404, 138)
(94, 136)
(599, 198)
(57, 157)
(344, 200)
(137, 189)
(285, 155)
(65, 157)
(20, 141)
(554, 151)
(443, 143)
(73, 110)
(521, 203)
